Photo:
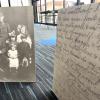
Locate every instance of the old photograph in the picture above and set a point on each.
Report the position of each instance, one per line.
(17, 45)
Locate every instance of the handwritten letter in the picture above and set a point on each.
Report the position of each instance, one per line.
(77, 58)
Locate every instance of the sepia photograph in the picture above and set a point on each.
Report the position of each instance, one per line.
(17, 59)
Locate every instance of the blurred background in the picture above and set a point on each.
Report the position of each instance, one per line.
(45, 14)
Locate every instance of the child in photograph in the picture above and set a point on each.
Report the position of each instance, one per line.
(13, 57)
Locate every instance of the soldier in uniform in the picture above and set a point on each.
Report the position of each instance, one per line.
(4, 30)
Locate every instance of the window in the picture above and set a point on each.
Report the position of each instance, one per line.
(20, 2)
(43, 20)
(26, 2)
(38, 11)
(49, 4)
(43, 5)
(56, 18)
(58, 4)
(97, 1)
(69, 3)
(4, 3)
(49, 18)
(86, 1)
(38, 6)
(15, 2)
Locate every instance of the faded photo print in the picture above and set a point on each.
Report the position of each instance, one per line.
(17, 45)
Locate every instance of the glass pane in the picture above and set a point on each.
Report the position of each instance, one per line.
(4, 3)
(20, 2)
(43, 18)
(38, 6)
(86, 1)
(15, 2)
(58, 4)
(49, 4)
(69, 3)
(26, 2)
(43, 5)
(38, 3)
(39, 17)
(49, 18)
(97, 1)
(56, 18)
(38, 11)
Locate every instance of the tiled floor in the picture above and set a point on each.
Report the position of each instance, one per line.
(45, 39)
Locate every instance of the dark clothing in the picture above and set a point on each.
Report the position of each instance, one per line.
(4, 30)
(23, 51)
